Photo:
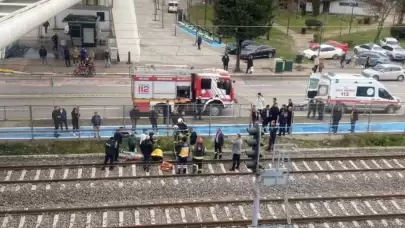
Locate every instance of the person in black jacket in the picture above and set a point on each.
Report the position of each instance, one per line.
(282, 120)
(118, 141)
(193, 137)
(55, 40)
(109, 153)
(42, 54)
(167, 111)
(354, 117)
(198, 108)
(273, 135)
(290, 119)
(336, 117)
(75, 119)
(134, 115)
(146, 149)
(321, 109)
(218, 144)
(311, 108)
(255, 114)
(153, 117)
(274, 112)
(66, 55)
(63, 118)
(56, 120)
(249, 65)
(266, 117)
(225, 61)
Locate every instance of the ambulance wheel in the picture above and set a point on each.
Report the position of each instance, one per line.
(375, 77)
(390, 110)
(335, 57)
(400, 78)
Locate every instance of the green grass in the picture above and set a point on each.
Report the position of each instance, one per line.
(284, 44)
(331, 22)
(362, 37)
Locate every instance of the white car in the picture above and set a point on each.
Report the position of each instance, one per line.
(324, 51)
(385, 72)
(389, 41)
(394, 52)
(368, 47)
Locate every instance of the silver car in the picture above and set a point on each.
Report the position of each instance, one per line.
(375, 58)
(385, 72)
(394, 52)
(368, 47)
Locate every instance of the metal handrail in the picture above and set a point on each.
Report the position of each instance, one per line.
(29, 7)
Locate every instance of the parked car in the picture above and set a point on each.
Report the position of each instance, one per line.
(261, 51)
(375, 58)
(233, 48)
(389, 41)
(343, 46)
(325, 52)
(395, 52)
(368, 47)
(385, 72)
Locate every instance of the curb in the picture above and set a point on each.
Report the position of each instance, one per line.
(341, 149)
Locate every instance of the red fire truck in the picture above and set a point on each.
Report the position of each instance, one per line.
(154, 87)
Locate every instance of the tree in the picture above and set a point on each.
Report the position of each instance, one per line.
(316, 6)
(382, 9)
(242, 19)
(400, 11)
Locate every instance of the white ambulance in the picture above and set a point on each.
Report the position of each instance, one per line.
(351, 89)
(173, 6)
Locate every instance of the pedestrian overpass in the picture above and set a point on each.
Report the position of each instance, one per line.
(18, 17)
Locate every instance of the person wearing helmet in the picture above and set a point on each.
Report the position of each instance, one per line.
(183, 151)
(198, 155)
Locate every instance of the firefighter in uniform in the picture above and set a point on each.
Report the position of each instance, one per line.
(182, 150)
(198, 155)
(110, 150)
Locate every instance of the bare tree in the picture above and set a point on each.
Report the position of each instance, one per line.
(400, 11)
(381, 9)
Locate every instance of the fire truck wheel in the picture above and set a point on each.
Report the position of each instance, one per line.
(214, 109)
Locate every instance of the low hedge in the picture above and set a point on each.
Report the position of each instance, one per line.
(61, 146)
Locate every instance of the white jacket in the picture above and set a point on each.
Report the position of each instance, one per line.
(260, 103)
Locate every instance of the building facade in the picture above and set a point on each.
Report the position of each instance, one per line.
(357, 7)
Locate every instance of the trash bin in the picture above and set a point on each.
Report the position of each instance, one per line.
(299, 58)
(288, 65)
(303, 31)
(278, 65)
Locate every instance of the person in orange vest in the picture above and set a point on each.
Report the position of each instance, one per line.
(183, 151)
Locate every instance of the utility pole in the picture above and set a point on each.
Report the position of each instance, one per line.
(163, 20)
(205, 13)
(175, 23)
(156, 8)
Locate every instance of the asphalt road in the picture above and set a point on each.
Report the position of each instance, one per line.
(112, 97)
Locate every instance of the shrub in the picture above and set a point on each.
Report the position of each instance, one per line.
(367, 20)
(398, 31)
(313, 23)
(317, 38)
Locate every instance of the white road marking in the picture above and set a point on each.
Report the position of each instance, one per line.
(5, 222)
(312, 206)
(326, 225)
(376, 164)
(353, 164)
(136, 213)
(107, 172)
(198, 213)
(295, 166)
(370, 223)
(387, 163)
(342, 208)
(211, 170)
(213, 214)
(22, 176)
(160, 172)
(341, 225)
(36, 177)
(120, 184)
(242, 212)
(306, 166)
(396, 205)
(51, 174)
(88, 220)
(354, 204)
(79, 176)
(342, 165)
(22, 222)
(356, 224)
(93, 175)
(65, 175)
(384, 222)
(224, 171)
(398, 222)
(176, 182)
(167, 216)
(39, 221)
(398, 164)
(382, 205)
(55, 221)
(72, 220)
(311, 225)
(133, 170)
(152, 217)
(368, 205)
(388, 175)
(330, 165)
(400, 175)
(183, 215)
(318, 165)
(365, 164)
(228, 213)
(326, 205)
(121, 218)
(271, 211)
(298, 206)
(105, 219)
(148, 174)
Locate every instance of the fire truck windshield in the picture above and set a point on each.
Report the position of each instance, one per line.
(226, 85)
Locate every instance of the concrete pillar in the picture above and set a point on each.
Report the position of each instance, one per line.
(2, 53)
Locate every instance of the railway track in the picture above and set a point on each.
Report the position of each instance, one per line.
(327, 211)
(61, 174)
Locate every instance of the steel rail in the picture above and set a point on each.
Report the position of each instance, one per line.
(295, 159)
(118, 178)
(35, 211)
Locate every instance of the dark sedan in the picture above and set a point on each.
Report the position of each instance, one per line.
(262, 51)
(232, 49)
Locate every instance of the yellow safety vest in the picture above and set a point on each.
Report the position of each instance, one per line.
(184, 151)
(157, 152)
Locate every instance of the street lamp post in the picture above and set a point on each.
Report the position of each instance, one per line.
(205, 14)
(351, 17)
